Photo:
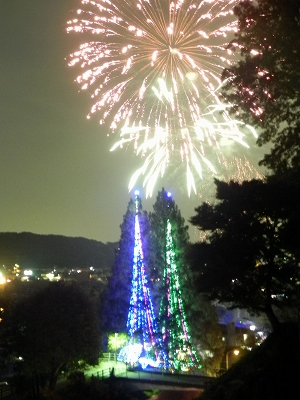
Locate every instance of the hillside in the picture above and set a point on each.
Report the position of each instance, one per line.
(32, 251)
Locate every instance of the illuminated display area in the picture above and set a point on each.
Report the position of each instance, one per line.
(166, 344)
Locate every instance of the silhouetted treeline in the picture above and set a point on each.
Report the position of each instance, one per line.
(32, 251)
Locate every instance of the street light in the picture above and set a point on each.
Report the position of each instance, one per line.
(235, 352)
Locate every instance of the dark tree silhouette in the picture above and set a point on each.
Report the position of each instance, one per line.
(264, 85)
(251, 256)
(54, 328)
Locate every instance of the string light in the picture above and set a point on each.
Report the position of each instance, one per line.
(141, 322)
(174, 327)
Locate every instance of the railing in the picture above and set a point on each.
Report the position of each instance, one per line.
(5, 390)
(160, 377)
(109, 357)
(110, 371)
(109, 367)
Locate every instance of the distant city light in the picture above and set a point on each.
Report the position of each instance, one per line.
(50, 276)
(2, 279)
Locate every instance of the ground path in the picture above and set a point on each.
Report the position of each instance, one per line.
(176, 386)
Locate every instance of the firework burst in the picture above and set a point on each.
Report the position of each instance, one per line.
(153, 68)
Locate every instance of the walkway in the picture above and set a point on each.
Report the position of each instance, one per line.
(149, 380)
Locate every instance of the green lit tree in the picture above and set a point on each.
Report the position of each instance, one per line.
(165, 209)
(172, 316)
(171, 279)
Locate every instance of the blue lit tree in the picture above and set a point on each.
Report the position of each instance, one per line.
(141, 322)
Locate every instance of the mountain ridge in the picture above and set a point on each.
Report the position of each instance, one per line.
(35, 251)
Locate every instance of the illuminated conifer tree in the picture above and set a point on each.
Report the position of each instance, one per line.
(165, 208)
(141, 319)
(174, 327)
(141, 322)
(169, 272)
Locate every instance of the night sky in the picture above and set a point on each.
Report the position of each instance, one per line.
(57, 173)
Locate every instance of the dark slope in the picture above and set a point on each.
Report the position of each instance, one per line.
(48, 251)
(271, 371)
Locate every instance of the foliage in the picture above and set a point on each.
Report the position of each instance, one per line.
(206, 332)
(270, 371)
(264, 85)
(54, 328)
(77, 387)
(251, 256)
(93, 289)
